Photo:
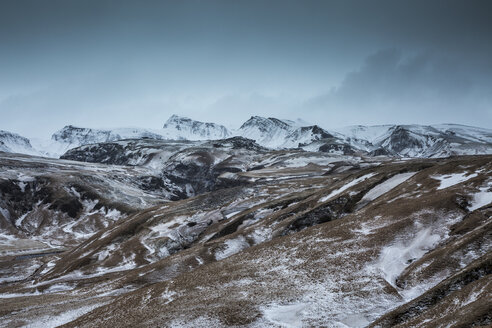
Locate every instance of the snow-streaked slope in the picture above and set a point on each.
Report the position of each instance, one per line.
(419, 140)
(268, 132)
(14, 143)
(363, 132)
(286, 245)
(270, 254)
(71, 137)
(183, 128)
(305, 135)
(384, 187)
(277, 134)
(466, 132)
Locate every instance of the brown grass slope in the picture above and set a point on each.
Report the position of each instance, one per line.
(327, 257)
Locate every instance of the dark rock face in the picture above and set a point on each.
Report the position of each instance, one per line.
(238, 143)
(319, 215)
(189, 171)
(159, 184)
(19, 200)
(310, 134)
(401, 139)
(201, 175)
(106, 153)
(199, 178)
(69, 205)
(379, 152)
(334, 147)
(265, 124)
(316, 131)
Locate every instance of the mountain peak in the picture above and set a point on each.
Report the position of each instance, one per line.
(264, 123)
(176, 119)
(180, 127)
(12, 142)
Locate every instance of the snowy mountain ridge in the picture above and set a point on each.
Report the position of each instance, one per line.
(269, 132)
(419, 140)
(70, 137)
(14, 143)
(440, 140)
(183, 128)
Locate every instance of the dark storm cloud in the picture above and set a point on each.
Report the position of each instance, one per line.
(80, 62)
(424, 86)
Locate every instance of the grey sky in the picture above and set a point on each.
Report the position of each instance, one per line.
(102, 63)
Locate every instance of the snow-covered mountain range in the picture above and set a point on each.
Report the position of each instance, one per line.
(419, 140)
(389, 140)
(169, 226)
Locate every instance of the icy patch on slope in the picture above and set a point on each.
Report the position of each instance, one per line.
(346, 186)
(449, 180)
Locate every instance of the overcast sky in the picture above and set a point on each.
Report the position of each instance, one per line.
(100, 63)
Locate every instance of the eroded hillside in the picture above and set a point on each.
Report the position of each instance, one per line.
(262, 239)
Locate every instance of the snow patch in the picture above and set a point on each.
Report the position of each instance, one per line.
(63, 318)
(289, 316)
(232, 246)
(7, 295)
(482, 198)
(450, 180)
(346, 186)
(386, 186)
(230, 215)
(21, 218)
(168, 296)
(395, 258)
